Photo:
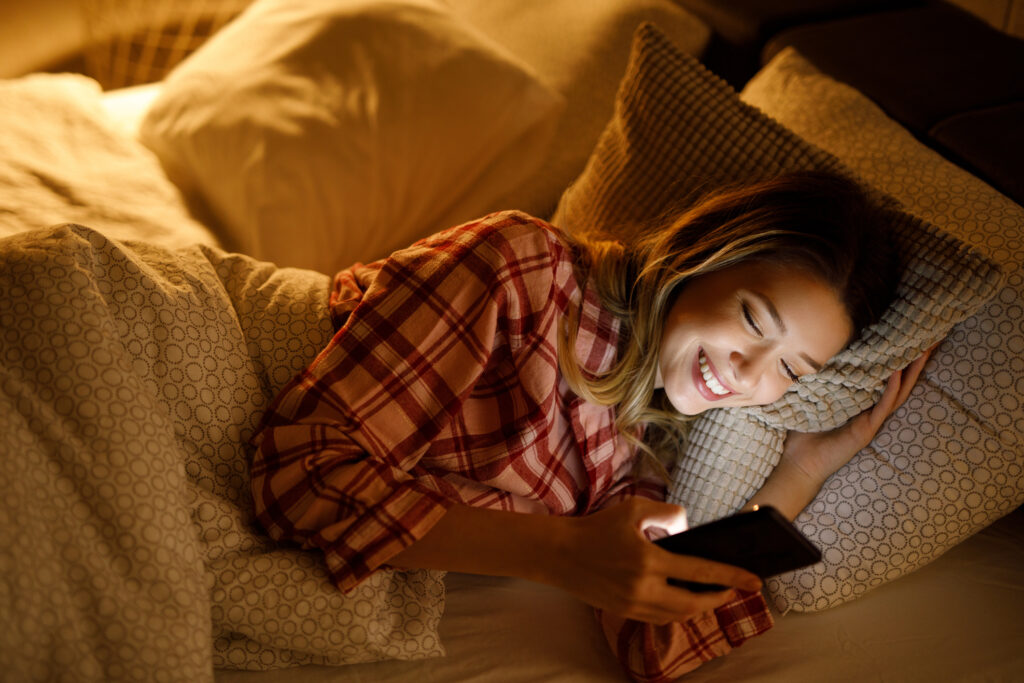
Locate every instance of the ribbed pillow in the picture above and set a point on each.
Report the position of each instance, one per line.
(679, 130)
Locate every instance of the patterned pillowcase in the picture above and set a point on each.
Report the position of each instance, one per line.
(131, 377)
(677, 130)
(950, 462)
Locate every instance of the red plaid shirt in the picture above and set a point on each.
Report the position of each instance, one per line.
(441, 386)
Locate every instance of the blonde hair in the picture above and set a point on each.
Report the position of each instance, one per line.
(822, 224)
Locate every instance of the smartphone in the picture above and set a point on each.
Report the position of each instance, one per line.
(761, 541)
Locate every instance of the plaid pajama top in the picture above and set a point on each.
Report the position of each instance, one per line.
(442, 386)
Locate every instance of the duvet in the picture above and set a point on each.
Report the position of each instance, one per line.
(131, 378)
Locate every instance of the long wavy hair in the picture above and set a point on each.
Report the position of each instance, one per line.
(819, 223)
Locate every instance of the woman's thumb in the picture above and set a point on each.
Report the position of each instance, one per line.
(671, 518)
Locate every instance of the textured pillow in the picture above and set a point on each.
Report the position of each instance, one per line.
(131, 378)
(679, 130)
(950, 462)
(324, 132)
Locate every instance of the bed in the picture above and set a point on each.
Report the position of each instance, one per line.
(165, 252)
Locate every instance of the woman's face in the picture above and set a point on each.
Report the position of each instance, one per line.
(741, 336)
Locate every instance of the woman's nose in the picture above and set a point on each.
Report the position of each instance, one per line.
(749, 367)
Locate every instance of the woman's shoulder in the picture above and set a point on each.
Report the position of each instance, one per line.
(507, 240)
(516, 227)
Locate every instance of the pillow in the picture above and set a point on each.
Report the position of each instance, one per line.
(321, 133)
(126, 107)
(678, 130)
(131, 378)
(950, 462)
(63, 159)
(580, 50)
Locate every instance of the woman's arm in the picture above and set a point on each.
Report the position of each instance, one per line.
(809, 459)
(604, 559)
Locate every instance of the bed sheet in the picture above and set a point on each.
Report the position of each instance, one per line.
(131, 380)
(909, 631)
(956, 620)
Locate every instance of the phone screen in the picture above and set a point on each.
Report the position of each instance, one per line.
(761, 541)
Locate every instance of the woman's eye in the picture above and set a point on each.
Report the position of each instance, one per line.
(750, 321)
(789, 371)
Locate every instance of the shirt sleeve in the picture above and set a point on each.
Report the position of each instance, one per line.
(338, 455)
(652, 652)
(662, 653)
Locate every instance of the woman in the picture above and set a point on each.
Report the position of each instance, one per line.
(502, 368)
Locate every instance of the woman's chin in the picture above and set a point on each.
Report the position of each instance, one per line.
(689, 405)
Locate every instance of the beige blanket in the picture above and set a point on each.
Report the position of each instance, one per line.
(62, 159)
(131, 378)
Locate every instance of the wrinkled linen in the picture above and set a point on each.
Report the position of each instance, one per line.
(63, 159)
(131, 378)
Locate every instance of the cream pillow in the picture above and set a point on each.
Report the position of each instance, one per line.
(580, 50)
(950, 462)
(679, 129)
(323, 132)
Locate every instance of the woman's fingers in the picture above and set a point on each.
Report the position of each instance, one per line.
(898, 389)
(674, 603)
(666, 602)
(700, 570)
(615, 568)
(887, 404)
(680, 604)
(827, 451)
(911, 374)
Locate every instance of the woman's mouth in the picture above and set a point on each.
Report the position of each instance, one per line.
(707, 381)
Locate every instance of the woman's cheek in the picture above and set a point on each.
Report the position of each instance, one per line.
(774, 392)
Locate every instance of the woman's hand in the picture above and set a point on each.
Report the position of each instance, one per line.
(821, 454)
(606, 560)
(809, 459)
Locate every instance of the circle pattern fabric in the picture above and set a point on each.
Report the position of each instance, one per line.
(131, 378)
(949, 462)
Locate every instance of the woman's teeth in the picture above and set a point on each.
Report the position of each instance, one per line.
(709, 379)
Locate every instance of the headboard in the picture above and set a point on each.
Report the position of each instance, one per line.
(117, 42)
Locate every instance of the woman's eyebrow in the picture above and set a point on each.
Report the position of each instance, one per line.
(767, 303)
(777, 319)
(810, 361)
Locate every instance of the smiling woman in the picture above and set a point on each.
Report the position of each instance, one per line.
(742, 335)
(730, 301)
(504, 367)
